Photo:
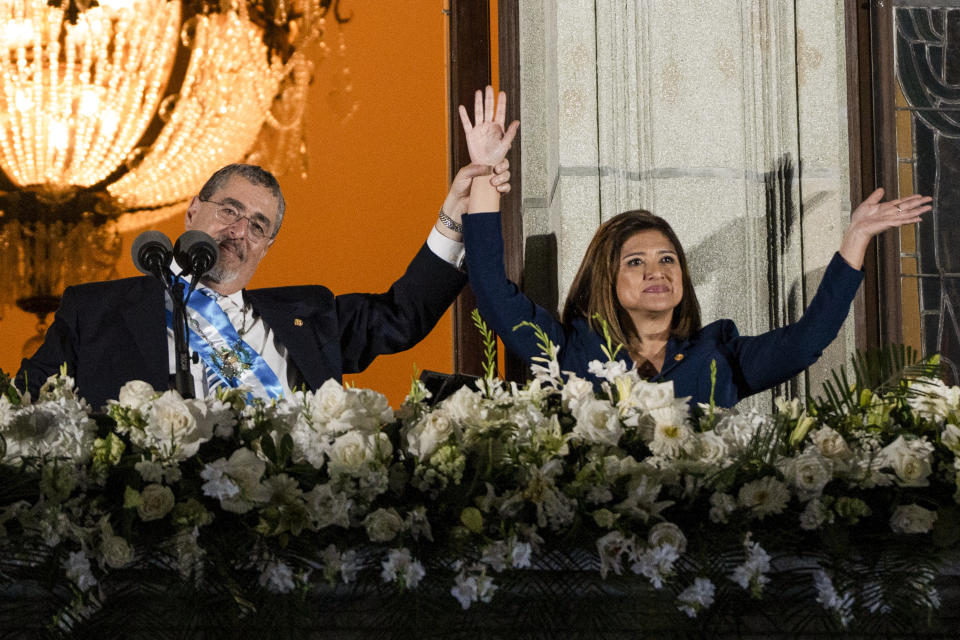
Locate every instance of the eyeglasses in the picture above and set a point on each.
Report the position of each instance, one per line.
(228, 215)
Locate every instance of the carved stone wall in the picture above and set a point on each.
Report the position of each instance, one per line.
(726, 118)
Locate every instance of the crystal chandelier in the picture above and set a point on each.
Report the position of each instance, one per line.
(113, 114)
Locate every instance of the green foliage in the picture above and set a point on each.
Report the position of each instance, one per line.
(878, 372)
(609, 349)
(489, 346)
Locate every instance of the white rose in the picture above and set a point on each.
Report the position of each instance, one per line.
(597, 422)
(830, 443)
(327, 403)
(667, 533)
(135, 394)
(116, 552)
(912, 518)
(383, 525)
(156, 502)
(172, 427)
(809, 472)
(910, 460)
(427, 434)
(354, 451)
(711, 448)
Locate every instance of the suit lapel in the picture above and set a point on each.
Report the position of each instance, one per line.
(145, 319)
(290, 322)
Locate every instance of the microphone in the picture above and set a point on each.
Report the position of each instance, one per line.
(196, 253)
(152, 253)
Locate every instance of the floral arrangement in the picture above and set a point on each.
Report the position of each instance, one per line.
(842, 513)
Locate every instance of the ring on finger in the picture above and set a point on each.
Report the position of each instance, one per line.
(899, 210)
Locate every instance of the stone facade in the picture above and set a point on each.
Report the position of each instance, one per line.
(727, 118)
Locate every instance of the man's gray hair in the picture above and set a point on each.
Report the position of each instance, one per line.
(252, 174)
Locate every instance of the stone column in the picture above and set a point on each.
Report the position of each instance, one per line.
(726, 117)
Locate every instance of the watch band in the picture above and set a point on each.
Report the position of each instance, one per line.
(450, 223)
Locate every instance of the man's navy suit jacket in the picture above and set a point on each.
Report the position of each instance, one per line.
(109, 333)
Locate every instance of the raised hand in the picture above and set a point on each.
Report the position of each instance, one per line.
(874, 216)
(487, 139)
(456, 203)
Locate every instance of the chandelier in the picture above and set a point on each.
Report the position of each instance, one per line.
(113, 114)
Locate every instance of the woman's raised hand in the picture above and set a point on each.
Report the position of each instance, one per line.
(873, 216)
(487, 139)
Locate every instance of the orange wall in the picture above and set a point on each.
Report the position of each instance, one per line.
(375, 180)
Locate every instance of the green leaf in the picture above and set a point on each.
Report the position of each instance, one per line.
(131, 498)
(269, 448)
(286, 448)
(472, 519)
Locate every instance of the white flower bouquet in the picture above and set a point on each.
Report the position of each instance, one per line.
(840, 512)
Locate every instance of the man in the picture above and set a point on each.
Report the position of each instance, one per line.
(272, 340)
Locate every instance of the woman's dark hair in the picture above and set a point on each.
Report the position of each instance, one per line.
(594, 289)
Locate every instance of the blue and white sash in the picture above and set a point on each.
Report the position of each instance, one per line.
(214, 338)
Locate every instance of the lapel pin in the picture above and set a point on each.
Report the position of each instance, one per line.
(678, 357)
(297, 322)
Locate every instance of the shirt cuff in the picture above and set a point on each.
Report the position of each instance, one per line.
(444, 248)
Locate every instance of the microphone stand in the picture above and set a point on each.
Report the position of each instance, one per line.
(183, 379)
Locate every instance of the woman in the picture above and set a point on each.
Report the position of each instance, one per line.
(634, 277)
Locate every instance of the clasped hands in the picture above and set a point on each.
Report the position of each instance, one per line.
(488, 141)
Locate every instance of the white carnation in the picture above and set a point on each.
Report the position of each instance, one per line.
(463, 405)
(326, 506)
(576, 392)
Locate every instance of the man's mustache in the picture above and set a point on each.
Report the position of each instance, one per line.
(235, 245)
